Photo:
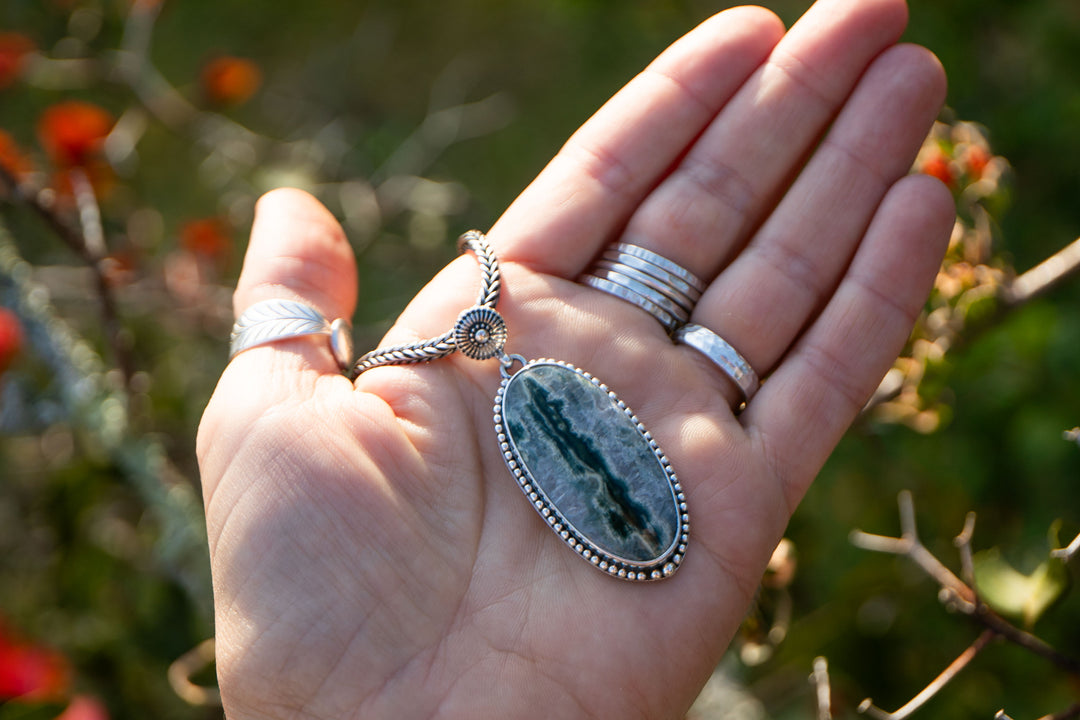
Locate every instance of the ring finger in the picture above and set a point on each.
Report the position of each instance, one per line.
(786, 273)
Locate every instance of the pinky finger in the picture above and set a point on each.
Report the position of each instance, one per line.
(826, 378)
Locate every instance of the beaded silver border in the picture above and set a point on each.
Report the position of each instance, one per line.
(663, 566)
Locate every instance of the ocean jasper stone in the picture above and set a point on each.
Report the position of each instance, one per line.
(591, 470)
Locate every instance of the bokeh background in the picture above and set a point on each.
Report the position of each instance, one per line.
(140, 132)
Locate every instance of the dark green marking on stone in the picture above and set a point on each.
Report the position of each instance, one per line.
(593, 466)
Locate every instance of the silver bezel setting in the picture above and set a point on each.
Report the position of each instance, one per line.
(661, 567)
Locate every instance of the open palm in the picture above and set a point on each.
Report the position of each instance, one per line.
(372, 555)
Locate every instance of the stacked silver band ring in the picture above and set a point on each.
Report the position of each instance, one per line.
(272, 320)
(660, 287)
(668, 292)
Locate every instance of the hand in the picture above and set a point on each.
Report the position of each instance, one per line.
(373, 557)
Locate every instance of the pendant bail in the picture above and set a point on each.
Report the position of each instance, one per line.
(507, 361)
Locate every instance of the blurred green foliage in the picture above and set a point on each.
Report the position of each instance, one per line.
(94, 558)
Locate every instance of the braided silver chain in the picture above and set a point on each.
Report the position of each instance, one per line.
(445, 344)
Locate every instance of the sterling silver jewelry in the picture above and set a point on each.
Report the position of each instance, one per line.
(581, 457)
(660, 307)
(660, 287)
(268, 321)
(720, 352)
(661, 262)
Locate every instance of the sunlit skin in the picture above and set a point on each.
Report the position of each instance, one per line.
(372, 556)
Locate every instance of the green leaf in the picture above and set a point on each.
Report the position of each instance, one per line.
(1015, 595)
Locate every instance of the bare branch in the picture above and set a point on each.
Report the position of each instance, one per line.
(1070, 713)
(441, 129)
(963, 544)
(820, 679)
(1066, 553)
(962, 595)
(962, 660)
(42, 203)
(93, 233)
(134, 68)
(1034, 283)
(907, 515)
(879, 543)
(90, 251)
(181, 671)
(138, 29)
(1026, 640)
(1044, 276)
(909, 545)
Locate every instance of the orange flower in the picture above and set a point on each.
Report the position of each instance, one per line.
(937, 165)
(73, 132)
(11, 340)
(31, 673)
(12, 157)
(208, 238)
(977, 158)
(230, 80)
(13, 50)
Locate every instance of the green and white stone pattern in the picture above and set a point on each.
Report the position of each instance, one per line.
(587, 455)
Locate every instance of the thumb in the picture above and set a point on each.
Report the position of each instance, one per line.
(297, 252)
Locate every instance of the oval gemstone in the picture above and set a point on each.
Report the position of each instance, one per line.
(592, 466)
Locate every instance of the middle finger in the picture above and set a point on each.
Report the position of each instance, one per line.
(702, 213)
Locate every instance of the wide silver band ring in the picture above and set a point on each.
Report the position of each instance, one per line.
(268, 321)
(720, 352)
(655, 284)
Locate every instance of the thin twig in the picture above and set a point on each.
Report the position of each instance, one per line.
(909, 545)
(963, 545)
(1069, 713)
(1033, 644)
(1045, 276)
(1034, 283)
(963, 595)
(1066, 553)
(156, 94)
(138, 30)
(181, 671)
(962, 660)
(93, 234)
(42, 203)
(823, 688)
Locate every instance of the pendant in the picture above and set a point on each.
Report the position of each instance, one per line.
(583, 459)
(591, 469)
